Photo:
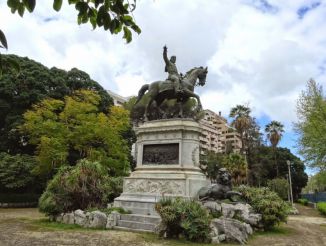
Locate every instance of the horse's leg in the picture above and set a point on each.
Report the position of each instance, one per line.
(146, 108)
(189, 93)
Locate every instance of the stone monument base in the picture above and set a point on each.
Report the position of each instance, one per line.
(144, 188)
(167, 165)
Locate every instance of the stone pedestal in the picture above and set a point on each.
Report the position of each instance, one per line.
(167, 154)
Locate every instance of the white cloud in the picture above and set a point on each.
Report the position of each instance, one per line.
(255, 53)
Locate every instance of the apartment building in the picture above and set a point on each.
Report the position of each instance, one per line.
(217, 135)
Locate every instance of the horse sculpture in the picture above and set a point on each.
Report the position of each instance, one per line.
(158, 91)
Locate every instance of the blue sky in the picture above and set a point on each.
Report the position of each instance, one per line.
(258, 52)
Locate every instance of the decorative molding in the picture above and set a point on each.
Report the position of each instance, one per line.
(172, 187)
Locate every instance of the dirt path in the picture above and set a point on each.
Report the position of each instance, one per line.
(20, 227)
(306, 229)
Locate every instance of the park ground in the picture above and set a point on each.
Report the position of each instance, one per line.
(29, 227)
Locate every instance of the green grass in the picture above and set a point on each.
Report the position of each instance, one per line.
(276, 231)
(154, 239)
(321, 206)
(47, 225)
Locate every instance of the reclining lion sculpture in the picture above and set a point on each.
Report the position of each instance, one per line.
(220, 191)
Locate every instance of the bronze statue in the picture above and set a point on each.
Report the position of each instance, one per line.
(170, 89)
(221, 190)
(171, 68)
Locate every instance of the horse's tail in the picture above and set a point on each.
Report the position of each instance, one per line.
(141, 92)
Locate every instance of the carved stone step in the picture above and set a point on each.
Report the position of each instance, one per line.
(141, 218)
(136, 225)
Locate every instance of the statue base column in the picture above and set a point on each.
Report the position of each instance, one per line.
(167, 165)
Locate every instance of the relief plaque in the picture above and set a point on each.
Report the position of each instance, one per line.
(160, 154)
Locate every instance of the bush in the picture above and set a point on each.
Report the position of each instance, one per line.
(321, 206)
(303, 201)
(266, 202)
(280, 186)
(84, 186)
(189, 218)
(16, 173)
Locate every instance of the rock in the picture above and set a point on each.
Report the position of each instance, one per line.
(81, 218)
(59, 218)
(241, 212)
(112, 220)
(232, 229)
(293, 211)
(97, 219)
(213, 207)
(68, 218)
(228, 210)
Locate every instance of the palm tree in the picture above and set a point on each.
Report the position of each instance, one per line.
(241, 121)
(274, 132)
(237, 166)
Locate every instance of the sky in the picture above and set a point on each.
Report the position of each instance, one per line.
(260, 53)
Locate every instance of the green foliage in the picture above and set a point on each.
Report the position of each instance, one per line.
(84, 186)
(109, 210)
(273, 209)
(280, 186)
(303, 201)
(112, 15)
(67, 131)
(18, 197)
(321, 206)
(262, 161)
(311, 127)
(241, 121)
(235, 163)
(34, 83)
(210, 163)
(185, 217)
(237, 166)
(316, 182)
(16, 172)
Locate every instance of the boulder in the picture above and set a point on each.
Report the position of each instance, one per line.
(112, 220)
(68, 218)
(97, 219)
(242, 212)
(213, 207)
(81, 218)
(231, 230)
(59, 218)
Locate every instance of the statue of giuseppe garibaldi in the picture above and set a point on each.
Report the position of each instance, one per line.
(171, 68)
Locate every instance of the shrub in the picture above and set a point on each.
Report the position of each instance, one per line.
(321, 206)
(266, 202)
(189, 218)
(280, 186)
(83, 186)
(303, 201)
(16, 172)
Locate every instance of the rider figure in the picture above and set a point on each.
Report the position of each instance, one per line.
(171, 68)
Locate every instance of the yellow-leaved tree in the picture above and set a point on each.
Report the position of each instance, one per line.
(65, 131)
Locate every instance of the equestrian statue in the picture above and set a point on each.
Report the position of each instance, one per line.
(176, 86)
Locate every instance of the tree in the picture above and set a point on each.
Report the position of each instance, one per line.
(241, 122)
(210, 163)
(274, 132)
(16, 173)
(237, 166)
(263, 163)
(34, 83)
(68, 130)
(316, 182)
(112, 15)
(311, 127)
